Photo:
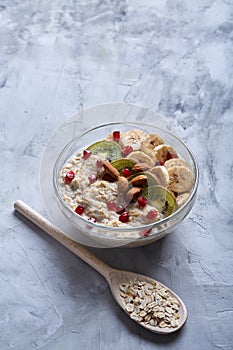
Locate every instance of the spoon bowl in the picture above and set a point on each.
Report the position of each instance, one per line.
(118, 277)
(114, 277)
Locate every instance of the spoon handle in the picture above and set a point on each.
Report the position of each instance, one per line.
(59, 236)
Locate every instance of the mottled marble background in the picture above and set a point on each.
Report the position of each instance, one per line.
(61, 56)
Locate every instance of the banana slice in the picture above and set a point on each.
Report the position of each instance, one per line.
(133, 138)
(175, 162)
(164, 152)
(181, 199)
(180, 179)
(161, 175)
(141, 157)
(150, 143)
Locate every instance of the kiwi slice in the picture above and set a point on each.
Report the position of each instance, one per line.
(108, 150)
(160, 198)
(122, 163)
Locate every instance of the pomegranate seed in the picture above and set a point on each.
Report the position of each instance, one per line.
(126, 150)
(120, 209)
(161, 163)
(124, 217)
(69, 177)
(79, 210)
(99, 163)
(111, 206)
(142, 201)
(92, 178)
(126, 172)
(86, 154)
(146, 232)
(92, 219)
(116, 136)
(152, 215)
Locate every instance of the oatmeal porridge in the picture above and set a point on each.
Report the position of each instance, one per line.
(127, 180)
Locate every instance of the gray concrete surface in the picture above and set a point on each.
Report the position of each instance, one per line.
(59, 57)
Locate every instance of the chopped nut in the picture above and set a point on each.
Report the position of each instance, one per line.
(139, 180)
(140, 167)
(133, 193)
(122, 184)
(113, 172)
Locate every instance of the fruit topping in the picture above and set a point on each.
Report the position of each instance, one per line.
(92, 178)
(124, 217)
(109, 150)
(99, 163)
(120, 209)
(163, 153)
(79, 210)
(150, 143)
(111, 206)
(161, 175)
(86, 154)
(116, 136)
(175, 162)
(142, 202)
(152, 215)
(141, 157)
(180, 179)
(126, 151)
(160, 198)
(123, 163)
(126, 172)
(69, 177)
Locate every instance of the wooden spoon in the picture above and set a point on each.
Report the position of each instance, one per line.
(113, 276)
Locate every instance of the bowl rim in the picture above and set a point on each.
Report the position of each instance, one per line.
(133, 228)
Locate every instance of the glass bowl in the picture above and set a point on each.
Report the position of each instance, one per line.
(113, 236)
